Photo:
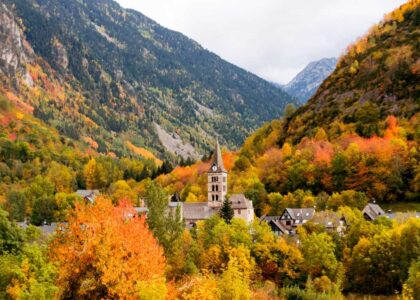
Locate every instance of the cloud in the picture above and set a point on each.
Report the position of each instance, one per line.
(274, 39)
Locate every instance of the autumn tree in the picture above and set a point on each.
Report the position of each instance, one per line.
(101, 171)
(367, 118)
(380, 263)
(11, 237)
(16, 205)
(27, 275)
(108, 252)
(122, 190)
(63, 178)
(25, 272)
(40, 195)
(200, 287)
(234, 282)
(318, 251)
(411, 290)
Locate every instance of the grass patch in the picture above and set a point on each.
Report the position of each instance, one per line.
(401, 206)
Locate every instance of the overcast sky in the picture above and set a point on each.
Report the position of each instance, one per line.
(274, 39)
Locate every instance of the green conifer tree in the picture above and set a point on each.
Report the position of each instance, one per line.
(226, 212)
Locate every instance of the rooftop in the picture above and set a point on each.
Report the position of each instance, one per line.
(239, 201)
(88, 194)
(301, 213)
(198, 211)
(373, 210)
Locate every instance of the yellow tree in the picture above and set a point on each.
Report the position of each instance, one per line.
(90, 174)
(122, 190)
(234, 283)
(200, 287)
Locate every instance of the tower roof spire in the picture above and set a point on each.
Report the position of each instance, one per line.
(217, 164)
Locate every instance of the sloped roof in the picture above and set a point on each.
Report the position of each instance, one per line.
(373, 211)
(217, 160)
(198, 211)
(269, 218)
(88, 194)
(46, 229)
(328, 218)
(301, 213)
(239, 201)
(279, 225)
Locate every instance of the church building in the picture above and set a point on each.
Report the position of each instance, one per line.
(217, 191)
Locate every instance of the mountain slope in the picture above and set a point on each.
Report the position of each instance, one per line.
(124, 76)
(378, 76)
(305, 84)
(355, 141)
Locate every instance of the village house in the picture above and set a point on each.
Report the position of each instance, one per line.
(294, 217)
(331, 221)
(88, 195)
(372, 211)
(217, 190)
(289, 220)
(287, 223)
(276, 226)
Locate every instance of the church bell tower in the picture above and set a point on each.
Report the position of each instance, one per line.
(217, 179)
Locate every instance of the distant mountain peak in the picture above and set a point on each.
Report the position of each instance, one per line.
(305, 84)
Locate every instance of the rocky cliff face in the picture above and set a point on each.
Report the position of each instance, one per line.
(15, 52)
(305, 84)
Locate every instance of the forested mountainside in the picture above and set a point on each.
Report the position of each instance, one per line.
(357, 139)
(304, 85)
(40, 169)
(110, 76)
(378, 76)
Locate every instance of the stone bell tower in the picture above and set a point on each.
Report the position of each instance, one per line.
(216, 179)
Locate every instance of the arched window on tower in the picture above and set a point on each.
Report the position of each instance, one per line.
(217, 197)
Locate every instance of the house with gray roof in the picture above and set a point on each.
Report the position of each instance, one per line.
(88, 195)
(276, 226)
(372, 211)
(293, 217)
(330, 220)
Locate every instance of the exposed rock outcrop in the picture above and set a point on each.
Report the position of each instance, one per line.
(15, 52)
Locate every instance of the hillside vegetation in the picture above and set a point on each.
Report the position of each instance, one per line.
(335, 153)
(107, 76)
(356, 140)
(377, 77)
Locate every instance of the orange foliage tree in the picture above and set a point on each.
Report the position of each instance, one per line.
(108, 252)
